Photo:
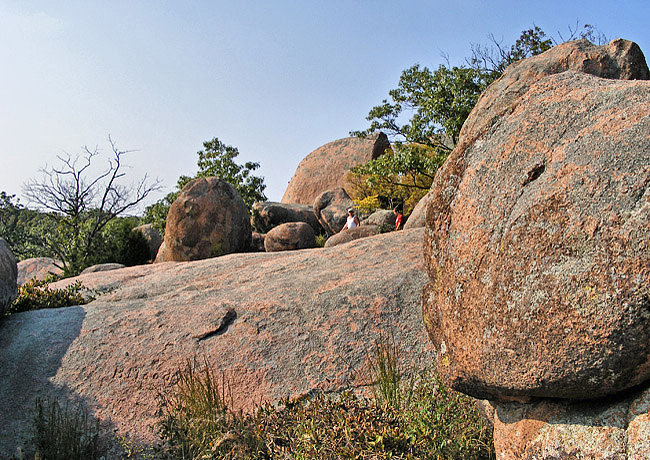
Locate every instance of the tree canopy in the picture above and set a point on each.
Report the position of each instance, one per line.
(423, 117)
(215, 160)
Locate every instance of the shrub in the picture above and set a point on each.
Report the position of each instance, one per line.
(419, 418)
(36, 295)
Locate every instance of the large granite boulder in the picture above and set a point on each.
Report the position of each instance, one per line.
(300, 321)
(208, 219)
(327, 167)
(290, 236)
(152, 236)
(267, 215)
(331, 209)
(8, 275)
(598, 430)
(538, 231)
(351, 234)
(38, 268)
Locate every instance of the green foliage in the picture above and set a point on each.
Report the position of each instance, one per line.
(439, 103)
(417, 419)
(216, 160)
(156, 214)
(36, 295)
(321, 239)
(121, 244)
(65, 433)
(398, 178)
(19, 227)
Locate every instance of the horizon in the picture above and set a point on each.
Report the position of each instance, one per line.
(276, 82)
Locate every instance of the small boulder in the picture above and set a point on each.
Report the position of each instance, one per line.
(331, 209)
(39, 268)
(152, 236)
(267, 215)
(102, 268)
(382, 218)
(553, 429)
(350, 234)
(8, 276)
(289, 236)
(418, 215)
(208, 219)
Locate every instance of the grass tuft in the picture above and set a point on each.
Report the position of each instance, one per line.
(65, 433)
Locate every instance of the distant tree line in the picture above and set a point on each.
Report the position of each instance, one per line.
(81, 217)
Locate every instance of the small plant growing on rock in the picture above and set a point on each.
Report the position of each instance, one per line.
(36, 295)
(65, 433)
(414, 418)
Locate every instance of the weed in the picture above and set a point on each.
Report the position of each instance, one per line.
(65, 433)
(321, 239)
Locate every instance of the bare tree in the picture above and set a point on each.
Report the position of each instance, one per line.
(80, 204)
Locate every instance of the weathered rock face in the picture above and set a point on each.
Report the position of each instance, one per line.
(538, 233)
(268, 215)
(8, 275)
(304, 320)
(257, 242)
(326, 167)
(39, 268)
(555, 430)
(418, 215)
(382, 218)
(102, 268)
(350, 234)
(331, 209)
(208, 219)
(154, 240)
(290, 236)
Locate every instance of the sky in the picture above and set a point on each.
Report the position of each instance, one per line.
(274, 79)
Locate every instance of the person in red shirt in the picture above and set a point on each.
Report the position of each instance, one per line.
(398, 218)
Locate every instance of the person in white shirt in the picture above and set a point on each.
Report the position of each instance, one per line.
(353, 221)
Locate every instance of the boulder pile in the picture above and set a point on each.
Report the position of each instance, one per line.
(538, 235)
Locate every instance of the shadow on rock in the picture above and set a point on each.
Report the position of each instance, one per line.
(32, 347)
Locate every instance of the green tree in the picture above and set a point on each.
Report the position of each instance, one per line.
(400, 178)
(215, 160)
(439, 101)
(79, 205)
(18, 227)
(428, 109)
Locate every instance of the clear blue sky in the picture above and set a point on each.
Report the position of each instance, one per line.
(275, 79)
